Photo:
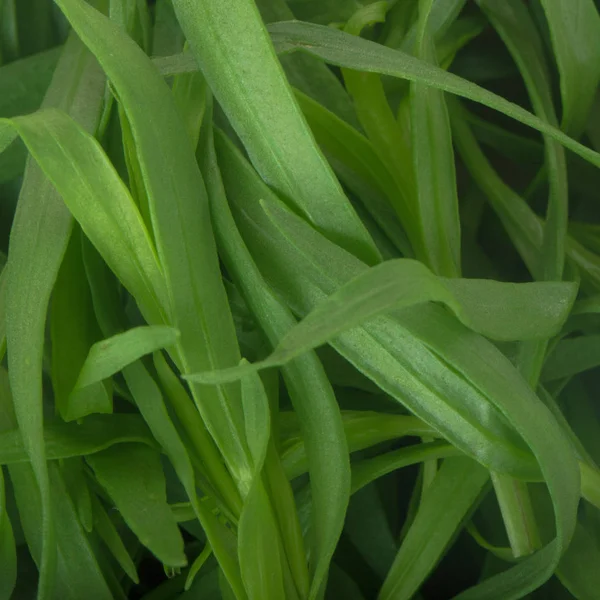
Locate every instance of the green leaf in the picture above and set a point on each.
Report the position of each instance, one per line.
(107, 531)
(446, 502)
(479, 410)
(3, 282)
(572, 356)
(90, 187)
(347, 51)
(309, 389)
(65, 440)
(358, 166)
(389, 140)
(8, 550)
(234, 52)
(433, 160)
(574, 30)
(73, 330)
(197, 565)
(149, 400)
(39, 237)
(522, 225)
(501, 311)
(513, 22)
(259, 545)
(310, 74)
(363, 429)
(369, 470)
(134, 480)
(25, 82)
(73, 544)
(197, 303)
(109, 356)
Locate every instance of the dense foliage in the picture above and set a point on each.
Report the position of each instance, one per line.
(299, 299)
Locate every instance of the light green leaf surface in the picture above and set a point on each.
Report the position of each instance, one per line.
(134, 480)
(501, 311)
(196, 302)
(234, 52)
(39, 236)
(310, 391)
(109, 356)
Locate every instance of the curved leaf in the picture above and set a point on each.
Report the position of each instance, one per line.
(348, 51)
(501, 311)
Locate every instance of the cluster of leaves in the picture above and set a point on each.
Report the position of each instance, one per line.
(299, 299)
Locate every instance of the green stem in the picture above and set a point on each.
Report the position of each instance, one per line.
(517, 513)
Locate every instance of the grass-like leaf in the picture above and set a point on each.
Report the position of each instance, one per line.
(234, 52)
(39, 237)
(135, 483)
(348, 51)
(197, 304)
(95, 433)
(310, 391)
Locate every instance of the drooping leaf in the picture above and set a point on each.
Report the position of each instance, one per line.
(500, 311)
(348, 51)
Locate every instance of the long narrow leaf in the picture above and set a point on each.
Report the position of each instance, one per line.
(233, 50)
(348, 51)
(39, 237)
(310, 391)
(197, 303)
